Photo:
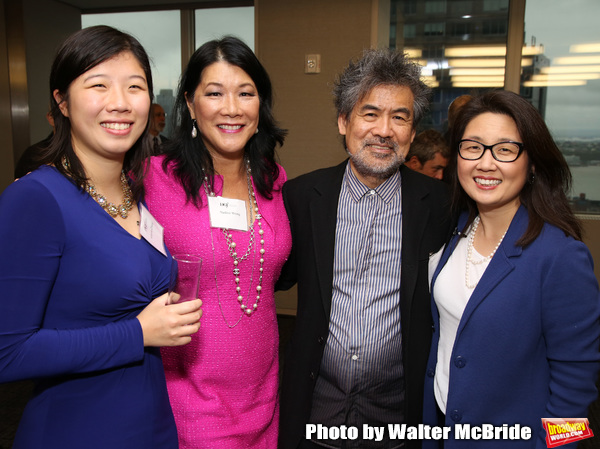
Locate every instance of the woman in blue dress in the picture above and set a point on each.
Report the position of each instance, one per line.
(82, 292)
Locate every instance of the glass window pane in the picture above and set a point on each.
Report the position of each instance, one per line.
(564, 84)
(435, 6)
(159, 33)
(215, 23)
(460, 43)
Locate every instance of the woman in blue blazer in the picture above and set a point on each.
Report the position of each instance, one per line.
(515, 301)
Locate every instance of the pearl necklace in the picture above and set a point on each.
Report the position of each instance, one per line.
(232, 247)
(470, 252)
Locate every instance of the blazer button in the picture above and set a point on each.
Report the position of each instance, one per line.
(321, 340)
(460, 362)
(455, 416)
(312, 375)
(430, 372)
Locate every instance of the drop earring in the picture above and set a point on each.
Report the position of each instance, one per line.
(194, 130)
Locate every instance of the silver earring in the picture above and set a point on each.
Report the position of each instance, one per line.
(256, 130)
(194, 130)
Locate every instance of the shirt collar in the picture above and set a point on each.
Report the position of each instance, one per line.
(386, 190)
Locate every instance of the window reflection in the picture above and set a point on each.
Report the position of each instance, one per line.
(215, 23)
(567, 80)
(461, 45)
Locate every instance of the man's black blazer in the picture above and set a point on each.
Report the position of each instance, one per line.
(311, 202)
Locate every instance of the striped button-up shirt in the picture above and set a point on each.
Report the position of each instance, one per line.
(361, 376)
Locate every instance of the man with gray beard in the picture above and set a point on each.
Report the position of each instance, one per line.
(362, 234)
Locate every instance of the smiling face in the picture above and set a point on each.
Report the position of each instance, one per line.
(493, 185)
(379, 132)
(226, 106)
(107, 107)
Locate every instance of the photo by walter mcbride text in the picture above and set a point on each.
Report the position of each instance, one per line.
(419, 432)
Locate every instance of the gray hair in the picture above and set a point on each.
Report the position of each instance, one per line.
(375, 68)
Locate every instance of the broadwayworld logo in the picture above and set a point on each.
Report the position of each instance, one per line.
(561, 431)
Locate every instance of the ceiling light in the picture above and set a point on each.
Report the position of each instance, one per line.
(488, 51)
(554, 83)
(565, 76)
(572, 69)
(459, 52)
(477, 72)
(482, 84)
(413, 53)
(570, 60)
(484, 62)
(585, 48)
(477, 79)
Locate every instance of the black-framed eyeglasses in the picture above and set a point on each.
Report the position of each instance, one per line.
(508, 151)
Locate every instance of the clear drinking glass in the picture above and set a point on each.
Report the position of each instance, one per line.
(185, 276)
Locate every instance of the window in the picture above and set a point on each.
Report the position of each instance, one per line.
(410, 31)
(564, 85)
(214, 23)
(495, 27)
(435, 6)
(495, 5)
(434, 29)
(442, 44)
(409, 7)
(460, 29)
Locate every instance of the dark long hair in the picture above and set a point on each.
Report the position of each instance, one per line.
(190, 156)
(81, 52)
(545, 193)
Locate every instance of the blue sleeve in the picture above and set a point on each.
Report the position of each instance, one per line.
(571, 320)
(32, 238)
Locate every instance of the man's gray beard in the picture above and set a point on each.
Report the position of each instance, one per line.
(380, 171)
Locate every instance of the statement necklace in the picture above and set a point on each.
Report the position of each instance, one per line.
(233, 252)
(113, 210)
(470, 260)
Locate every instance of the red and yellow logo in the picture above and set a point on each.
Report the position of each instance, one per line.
(561, 431)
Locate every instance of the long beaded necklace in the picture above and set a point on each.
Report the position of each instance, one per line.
(470, 252)
(233, 252)
(113, 210)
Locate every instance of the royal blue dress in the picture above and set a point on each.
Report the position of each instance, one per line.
(72, 282)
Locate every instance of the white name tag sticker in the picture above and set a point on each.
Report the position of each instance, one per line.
(151, 230)
(227, 213)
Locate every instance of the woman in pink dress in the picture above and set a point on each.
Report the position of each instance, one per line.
(217, 192)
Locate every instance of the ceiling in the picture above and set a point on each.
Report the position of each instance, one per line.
(89, 6)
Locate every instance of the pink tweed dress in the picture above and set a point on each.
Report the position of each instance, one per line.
(223, 386)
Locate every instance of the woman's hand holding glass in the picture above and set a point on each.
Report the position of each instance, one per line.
(170, 326)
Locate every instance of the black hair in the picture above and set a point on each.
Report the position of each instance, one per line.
(545, 193)
(190, 156)
(79, 53)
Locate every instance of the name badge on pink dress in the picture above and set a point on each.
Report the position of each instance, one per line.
(227, 213)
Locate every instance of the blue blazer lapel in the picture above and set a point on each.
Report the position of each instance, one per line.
(323, 218)
(499, 267)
